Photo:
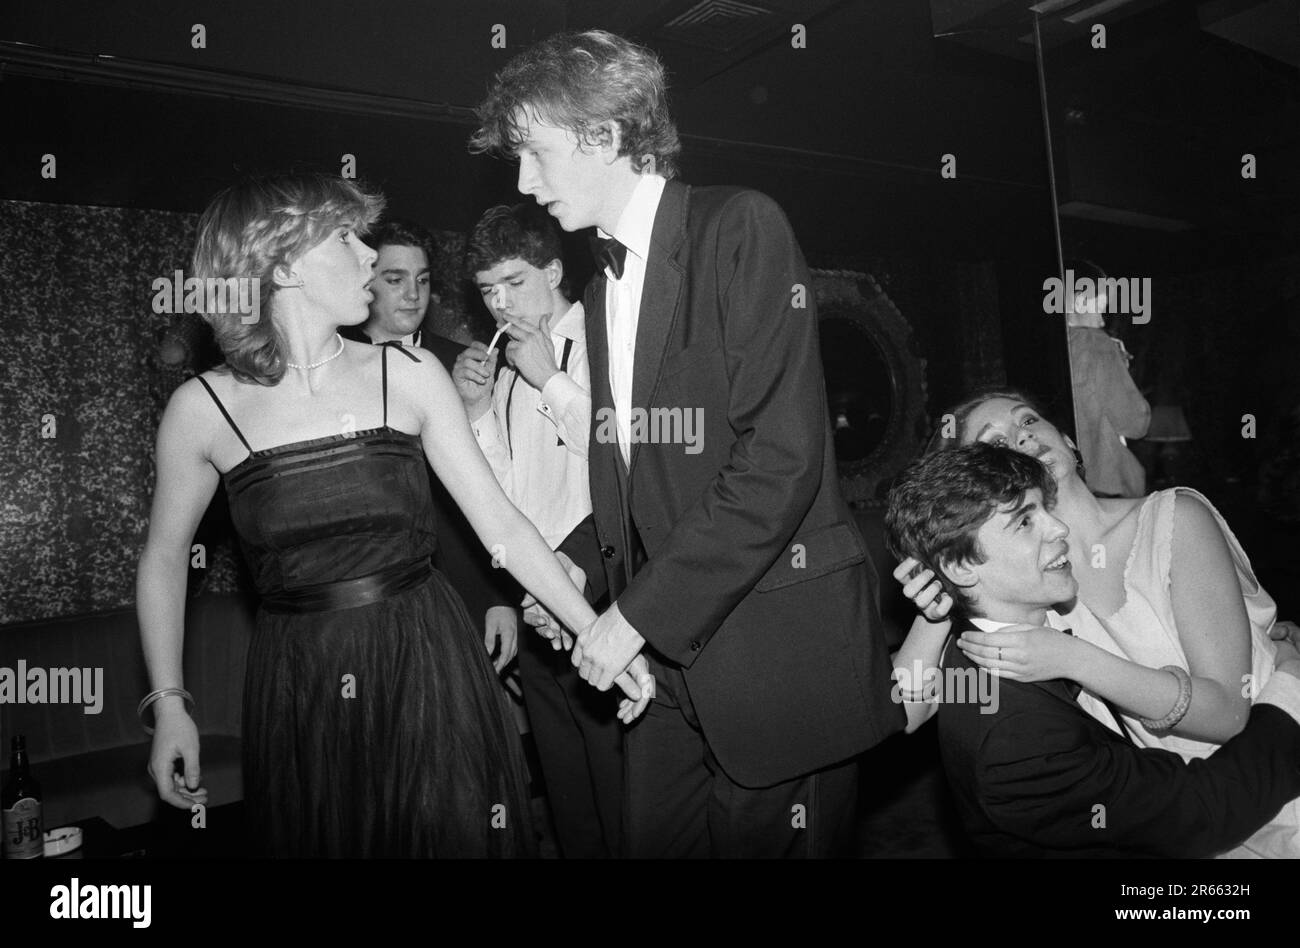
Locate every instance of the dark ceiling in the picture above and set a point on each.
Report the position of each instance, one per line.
(848, 132)
(859, 118)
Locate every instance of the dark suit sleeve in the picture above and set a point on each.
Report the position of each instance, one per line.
(776, 407)
(1064, 782)
(583, 548)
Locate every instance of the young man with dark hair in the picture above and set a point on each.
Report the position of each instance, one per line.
(1033, 774)
(532, 423)
(732, 559)
(402, 286)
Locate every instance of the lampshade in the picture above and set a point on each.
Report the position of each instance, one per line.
(1168, 424)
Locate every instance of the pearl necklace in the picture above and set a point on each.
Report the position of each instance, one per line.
(317, 365)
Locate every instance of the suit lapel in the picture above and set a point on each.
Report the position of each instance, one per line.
(597, 344)
(660, 298)
(602, 452)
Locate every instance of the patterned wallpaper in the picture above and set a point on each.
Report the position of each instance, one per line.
(80, 399)
(81, 393)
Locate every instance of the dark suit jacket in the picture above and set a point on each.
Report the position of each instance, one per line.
(1027, 779)
(757, 582)
(460, 554)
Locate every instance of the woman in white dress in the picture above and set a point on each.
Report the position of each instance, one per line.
(1170, 624)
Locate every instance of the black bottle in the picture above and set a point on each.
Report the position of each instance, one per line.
(21, 802)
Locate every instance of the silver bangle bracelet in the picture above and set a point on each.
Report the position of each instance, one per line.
(1179, 710)
(153, 696)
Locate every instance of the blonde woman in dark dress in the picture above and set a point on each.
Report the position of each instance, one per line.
(373, 721)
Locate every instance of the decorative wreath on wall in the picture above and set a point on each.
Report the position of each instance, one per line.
(875, 383)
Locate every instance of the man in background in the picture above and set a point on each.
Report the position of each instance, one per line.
(533, 425)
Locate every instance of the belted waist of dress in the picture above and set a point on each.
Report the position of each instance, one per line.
(350, 593)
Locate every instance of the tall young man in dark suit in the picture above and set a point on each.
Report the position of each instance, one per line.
(730, 554)
(1034, 774)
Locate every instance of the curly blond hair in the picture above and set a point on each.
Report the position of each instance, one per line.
(254, 226)
(579, 81)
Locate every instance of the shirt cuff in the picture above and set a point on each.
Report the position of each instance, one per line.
(1282, 691)
(558, 394)
(484, 430)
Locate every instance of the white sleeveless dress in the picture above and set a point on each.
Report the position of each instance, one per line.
(1143, 631)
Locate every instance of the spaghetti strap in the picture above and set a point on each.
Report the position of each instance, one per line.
(383, 359)
(238, 434)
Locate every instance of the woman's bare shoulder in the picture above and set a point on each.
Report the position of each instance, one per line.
(413, 365)
(192, 400)
(1195, 522)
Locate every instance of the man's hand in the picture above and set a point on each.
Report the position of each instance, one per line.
(501, 626)
(540, 618)
(547, 626)
(628, 709)
(472, 374)
(606, 648)
(532, 353)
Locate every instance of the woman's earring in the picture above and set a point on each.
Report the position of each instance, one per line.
(1078, 457)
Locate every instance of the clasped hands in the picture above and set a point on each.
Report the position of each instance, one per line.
(606, 653)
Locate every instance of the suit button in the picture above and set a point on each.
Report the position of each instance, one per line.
(695, 646)
(607, 552)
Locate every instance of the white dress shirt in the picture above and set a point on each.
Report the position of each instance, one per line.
(536, 441)
(623, 299)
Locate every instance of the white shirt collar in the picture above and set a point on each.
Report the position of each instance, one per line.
(572, 324)
(988, 625)
(636, 223)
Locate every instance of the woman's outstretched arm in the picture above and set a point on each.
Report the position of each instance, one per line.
(507, 534)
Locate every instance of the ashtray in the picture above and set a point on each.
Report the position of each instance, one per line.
(63, 840)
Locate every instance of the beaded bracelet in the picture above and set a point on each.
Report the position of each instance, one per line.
(1179, 710)
(153, 696)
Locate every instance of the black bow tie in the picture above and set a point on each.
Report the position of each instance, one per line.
(609, 253)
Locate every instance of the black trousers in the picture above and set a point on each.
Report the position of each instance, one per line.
(681, 804)
(580, 744)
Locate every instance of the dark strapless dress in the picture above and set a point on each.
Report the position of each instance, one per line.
(374, 724)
